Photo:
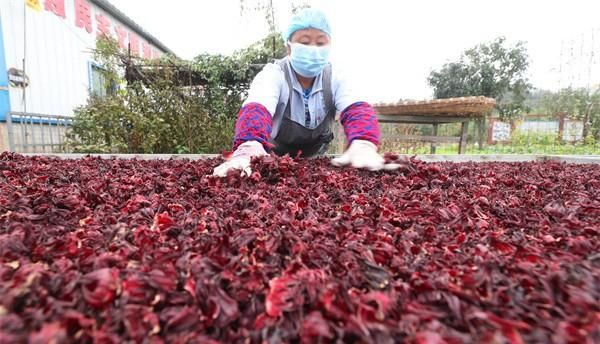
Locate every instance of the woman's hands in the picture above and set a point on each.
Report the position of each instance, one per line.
(241, 159)
(363, 154)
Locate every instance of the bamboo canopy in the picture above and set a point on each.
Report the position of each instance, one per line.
(463, 106)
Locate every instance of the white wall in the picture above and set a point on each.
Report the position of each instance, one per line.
(57, 57)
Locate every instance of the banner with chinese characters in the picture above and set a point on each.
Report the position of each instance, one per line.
(84, 16)
(34, 4)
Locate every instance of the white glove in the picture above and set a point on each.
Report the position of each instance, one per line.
(241, 159)
(363, 154)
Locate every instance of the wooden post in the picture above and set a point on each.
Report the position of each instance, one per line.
(481, 131)
(462, 145)
(561, 126)
(490, 131)
(435, 133)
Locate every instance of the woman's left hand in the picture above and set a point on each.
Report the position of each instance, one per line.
(363, 154)
(241, 159)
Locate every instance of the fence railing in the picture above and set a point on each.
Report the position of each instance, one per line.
(528, 137)
(37, 133)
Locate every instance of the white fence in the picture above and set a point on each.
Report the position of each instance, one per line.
(36, 133)
(572, 130)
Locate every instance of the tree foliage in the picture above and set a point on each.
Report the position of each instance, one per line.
(496, 70)
(577, 103)
(164, 114)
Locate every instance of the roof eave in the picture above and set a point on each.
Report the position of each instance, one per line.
(115, 12)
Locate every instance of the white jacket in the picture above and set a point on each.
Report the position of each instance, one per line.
(270, 88)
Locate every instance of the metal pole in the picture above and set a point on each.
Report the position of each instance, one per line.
(50, 130)
(22, 127)
(31, 128)
(61, 131)
(24, 57)
(11, 135)
(43, 143)
(23, 85)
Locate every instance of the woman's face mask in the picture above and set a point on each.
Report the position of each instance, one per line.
(309, 60)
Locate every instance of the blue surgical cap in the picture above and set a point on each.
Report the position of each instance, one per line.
(308, 18)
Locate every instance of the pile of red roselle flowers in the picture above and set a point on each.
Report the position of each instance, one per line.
(111, 251)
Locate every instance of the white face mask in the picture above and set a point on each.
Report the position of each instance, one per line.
(309, 60)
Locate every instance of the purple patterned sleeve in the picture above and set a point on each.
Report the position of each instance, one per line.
(360, 123)
(254, 123)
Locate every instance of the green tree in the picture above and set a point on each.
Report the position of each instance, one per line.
(261, 52)
(496, 70)
(168, 105)
(588, 107)
(562, 102)
(535, 101)
(576, 103)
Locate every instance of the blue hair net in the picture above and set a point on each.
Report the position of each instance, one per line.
(305, 19)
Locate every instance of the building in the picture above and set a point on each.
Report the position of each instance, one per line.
(47, 67)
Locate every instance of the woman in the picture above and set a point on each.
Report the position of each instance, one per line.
(292, 104)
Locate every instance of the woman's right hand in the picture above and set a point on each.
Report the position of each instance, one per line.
(241, 159)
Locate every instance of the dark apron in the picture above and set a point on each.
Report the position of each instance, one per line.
(293, 137)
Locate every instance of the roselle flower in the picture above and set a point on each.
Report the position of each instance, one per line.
(110, 251)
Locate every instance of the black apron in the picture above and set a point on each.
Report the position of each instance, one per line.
(292, 137)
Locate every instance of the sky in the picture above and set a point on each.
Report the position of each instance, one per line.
(388, 48)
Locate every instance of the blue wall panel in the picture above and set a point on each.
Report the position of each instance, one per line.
(4, 98)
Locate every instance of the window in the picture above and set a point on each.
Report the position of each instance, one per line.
(99, 86)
